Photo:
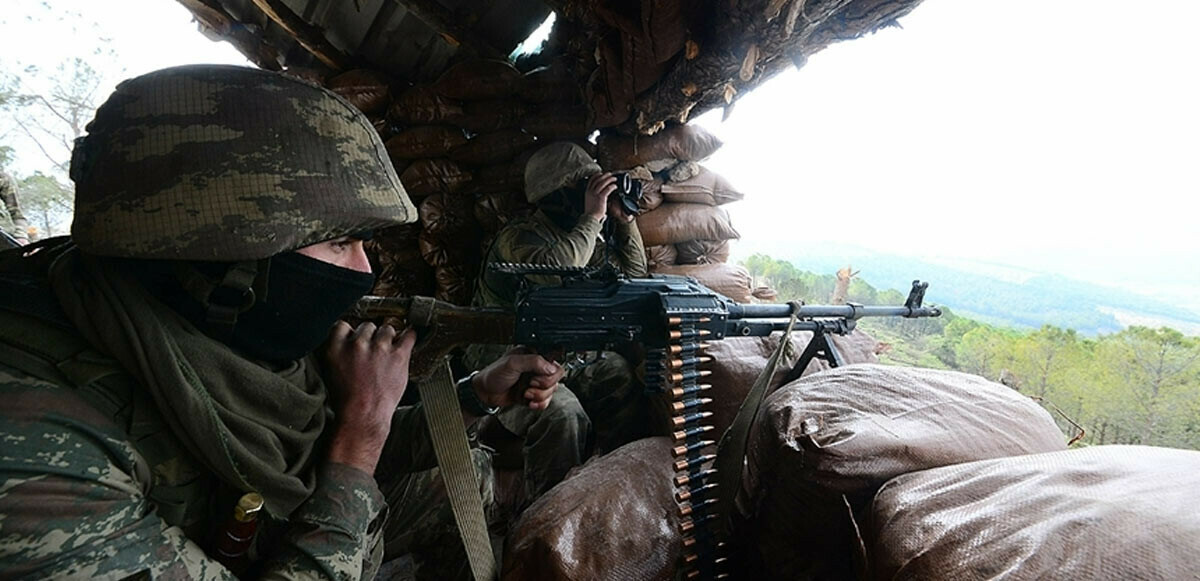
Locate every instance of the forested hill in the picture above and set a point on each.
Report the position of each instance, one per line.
(1137, 385)
(1006, 296)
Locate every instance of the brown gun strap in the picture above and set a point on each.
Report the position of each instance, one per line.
(731, 452)
(440, 400)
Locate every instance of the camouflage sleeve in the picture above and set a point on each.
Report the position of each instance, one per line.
(573, 249)
(630, 249)
(73, 502)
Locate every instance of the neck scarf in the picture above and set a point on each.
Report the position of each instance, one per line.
(257, 428)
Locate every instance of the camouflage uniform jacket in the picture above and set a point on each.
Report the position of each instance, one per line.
(538, 240)
(12, 206)
(95, 486)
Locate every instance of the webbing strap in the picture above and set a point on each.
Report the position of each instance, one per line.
(731, 452)
(440, 400)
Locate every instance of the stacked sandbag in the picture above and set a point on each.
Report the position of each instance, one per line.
(613, 518)
(684, 227)
(823, 446)
(1103, 512)
(459, 146)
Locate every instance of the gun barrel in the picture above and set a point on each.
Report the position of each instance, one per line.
(850, 311)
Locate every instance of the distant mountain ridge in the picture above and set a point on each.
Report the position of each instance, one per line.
(998, 293)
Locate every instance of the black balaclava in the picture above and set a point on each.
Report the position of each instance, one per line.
(304, 297)
(564, 206)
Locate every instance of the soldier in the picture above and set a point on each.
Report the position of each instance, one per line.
(156, 366)
(12, 204)
(578, 223)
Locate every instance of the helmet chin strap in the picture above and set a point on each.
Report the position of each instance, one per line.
(241, 286)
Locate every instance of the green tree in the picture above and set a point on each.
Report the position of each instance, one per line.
(1160, 373)
(48, 203)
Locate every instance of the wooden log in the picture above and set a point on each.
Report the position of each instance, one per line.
(308, 36)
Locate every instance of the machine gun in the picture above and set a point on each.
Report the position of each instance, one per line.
(673, 317)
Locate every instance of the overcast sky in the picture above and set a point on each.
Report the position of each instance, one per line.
(1055, 135)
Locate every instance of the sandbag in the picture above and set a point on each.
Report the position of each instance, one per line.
(1102, 512)
(553, 124)
(730, 280)
(702, 252)
(679, 142)
(707, 187)
(652, 196)
(675, 223)
(444, 250)
(508, 176)
(491, 115)
(396, 259)
(424, 106)
(454, 284)
(491, 148)
(496, 209)
(613, 518)
(479, 79)
(660, 256)
(683, 171)
(425, 141)
(737, 362)
(367, 90)
(424, 177)
(550, 83)
(823, 446)
(446, 213)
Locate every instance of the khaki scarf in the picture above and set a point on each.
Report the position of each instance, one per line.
(255, 427)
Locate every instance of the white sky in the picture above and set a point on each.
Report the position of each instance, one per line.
(1056, 135)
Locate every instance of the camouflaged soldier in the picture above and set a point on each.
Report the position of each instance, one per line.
(18, 226)
(578, 223)
(155, 366)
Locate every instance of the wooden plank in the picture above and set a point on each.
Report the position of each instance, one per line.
(308, 36)
(447, 25)
(212, 16)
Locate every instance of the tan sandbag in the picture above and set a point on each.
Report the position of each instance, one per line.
(447, 249)
(507, 176)
(679, 142)
(737, 362)
(1102, 512)
(424, 106)
(683, 171)
(557, 123)
(730, 280)
(367, 90)
(424, 177)
(613, 518)
(707, 187)
(651, 195)
(454, 283)
(492, 148)
(491, 115)
(425, 141)
(823, 446)
(550, 83)
(660, 256)
(702, 252)
(442, 213)
(396, 259)
(675, 223)
(479, 79)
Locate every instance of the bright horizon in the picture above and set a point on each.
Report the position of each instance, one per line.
(1064, 143)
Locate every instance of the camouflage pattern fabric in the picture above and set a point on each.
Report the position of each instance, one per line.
(19, 226)
(231, 164)
(556, 166)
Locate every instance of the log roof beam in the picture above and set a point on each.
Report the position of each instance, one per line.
(447, 24)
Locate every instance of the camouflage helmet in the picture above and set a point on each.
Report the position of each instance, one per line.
(225, 163)
(555, 166)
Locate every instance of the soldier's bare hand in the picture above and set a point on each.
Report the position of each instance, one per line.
(518, 377)
(595, 199)
(368, 371)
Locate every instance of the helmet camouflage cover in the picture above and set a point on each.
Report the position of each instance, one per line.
(227, 163)
(555, 166)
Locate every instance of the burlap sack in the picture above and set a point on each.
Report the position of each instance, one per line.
(652, 196)
(730, 280)
(508, 176)
(425, 141)
(491, 148)
(614, 518)
(455, 283)
(367, 90)
(491, 115)
(675, 223)
(680, 142)
(737, 361)
(479, 79)
(683, 171)
(707, 187)
(660, 256)
(551, 83)
(1103, 512)
(557, 123)
(425, 177)
(424, 106)
(446, 213)
(443, 250)
(496, 209)
(702, 252)
(823, 445)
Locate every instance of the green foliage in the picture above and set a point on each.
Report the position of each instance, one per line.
(47, 203)
(1134, 386)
